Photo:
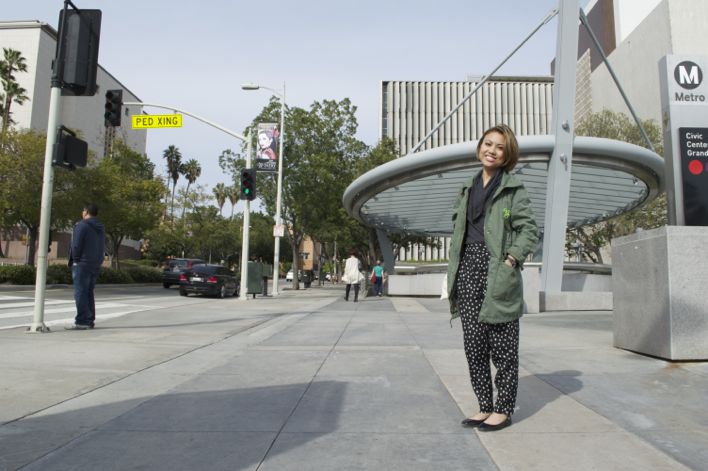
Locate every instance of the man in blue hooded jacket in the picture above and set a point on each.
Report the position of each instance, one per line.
(85, 259)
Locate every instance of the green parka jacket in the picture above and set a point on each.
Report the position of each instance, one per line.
(509, 228)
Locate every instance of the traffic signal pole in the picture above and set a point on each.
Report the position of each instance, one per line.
(246, 231)
(40, 283)
(198, 118)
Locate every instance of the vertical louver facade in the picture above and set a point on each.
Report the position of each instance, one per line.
(410, 109)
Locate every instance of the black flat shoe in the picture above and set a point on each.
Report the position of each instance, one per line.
(471, 423)
(485, 427)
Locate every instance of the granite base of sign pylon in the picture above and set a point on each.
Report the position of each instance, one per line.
(659, 281)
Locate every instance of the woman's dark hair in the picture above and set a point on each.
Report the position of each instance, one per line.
(511, 146)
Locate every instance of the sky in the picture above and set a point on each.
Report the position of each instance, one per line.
(196, 55)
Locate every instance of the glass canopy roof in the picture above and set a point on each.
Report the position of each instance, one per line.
(415, 194)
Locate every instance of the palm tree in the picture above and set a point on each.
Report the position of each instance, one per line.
(233, 193)
(174, 167)
(12, 62)
(220, 193)
(191, 171)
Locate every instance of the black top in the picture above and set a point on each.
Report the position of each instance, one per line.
(476, 204)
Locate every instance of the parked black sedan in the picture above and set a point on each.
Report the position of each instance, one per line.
(210, 280)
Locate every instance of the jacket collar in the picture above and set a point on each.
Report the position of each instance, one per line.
(507, 181)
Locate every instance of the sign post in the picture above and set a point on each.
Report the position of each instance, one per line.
(658, 277)
(684, 105)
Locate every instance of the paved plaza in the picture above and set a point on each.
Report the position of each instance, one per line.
(307, 381)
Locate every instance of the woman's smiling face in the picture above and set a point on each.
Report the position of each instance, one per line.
(491, 152)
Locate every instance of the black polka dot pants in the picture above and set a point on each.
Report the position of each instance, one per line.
(484, 342)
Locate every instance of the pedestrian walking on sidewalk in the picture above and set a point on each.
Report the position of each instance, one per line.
(352, 275)
(494, 232)
(379, 273)
(85, 259)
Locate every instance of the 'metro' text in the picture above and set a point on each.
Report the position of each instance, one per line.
(680, 96)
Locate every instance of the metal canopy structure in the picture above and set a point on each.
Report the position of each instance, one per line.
(415, 194)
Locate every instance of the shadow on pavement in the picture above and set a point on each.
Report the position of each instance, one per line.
(227, 429)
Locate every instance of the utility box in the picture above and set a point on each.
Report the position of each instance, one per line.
(254, 281)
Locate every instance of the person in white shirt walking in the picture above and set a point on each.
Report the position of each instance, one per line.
(352, 275)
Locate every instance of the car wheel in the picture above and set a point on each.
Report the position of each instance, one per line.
(166, 285)
(222, 292)
(182, 292)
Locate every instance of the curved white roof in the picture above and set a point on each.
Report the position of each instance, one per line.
(414, 194)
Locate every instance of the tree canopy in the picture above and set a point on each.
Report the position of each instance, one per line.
(593, 238)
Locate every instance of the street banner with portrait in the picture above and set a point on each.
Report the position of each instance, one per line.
(267, 147)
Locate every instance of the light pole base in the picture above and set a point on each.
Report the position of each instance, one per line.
(39, 328)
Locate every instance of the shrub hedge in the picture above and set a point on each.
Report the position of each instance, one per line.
(61, 274)
(17, 274)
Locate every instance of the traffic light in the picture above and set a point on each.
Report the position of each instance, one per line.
(248, 184)
(76, 61)
(114, 102)
(69, 151)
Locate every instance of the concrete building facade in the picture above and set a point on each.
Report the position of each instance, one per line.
(37, 43)
(645, 31)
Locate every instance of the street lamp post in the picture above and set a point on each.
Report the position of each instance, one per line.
(279, 195)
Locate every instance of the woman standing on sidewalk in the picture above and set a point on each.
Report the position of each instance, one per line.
(494, 232)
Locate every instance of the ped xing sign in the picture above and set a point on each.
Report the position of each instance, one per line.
(147, 121)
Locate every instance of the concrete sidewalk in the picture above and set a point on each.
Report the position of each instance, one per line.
(309, 381)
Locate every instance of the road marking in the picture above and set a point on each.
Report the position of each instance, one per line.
(31, 303)
(10, 315)
(70, 320)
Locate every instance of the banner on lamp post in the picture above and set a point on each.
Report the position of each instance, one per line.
(267, 147)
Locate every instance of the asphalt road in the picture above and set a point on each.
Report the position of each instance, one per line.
(17, 305)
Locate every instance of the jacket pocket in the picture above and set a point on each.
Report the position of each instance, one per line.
(507, 283)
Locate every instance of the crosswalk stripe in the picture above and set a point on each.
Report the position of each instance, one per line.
(70, 320)
(72, 308)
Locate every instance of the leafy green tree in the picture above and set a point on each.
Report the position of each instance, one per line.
(593, 238)
(128, 195)
(319, 159)
(261, 243)
(12, 62)
(189, 199)
(174, 167)
(165, 241)
(21, 178)
(232, 163)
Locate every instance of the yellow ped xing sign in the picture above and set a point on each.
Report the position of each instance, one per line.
(146, 121)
